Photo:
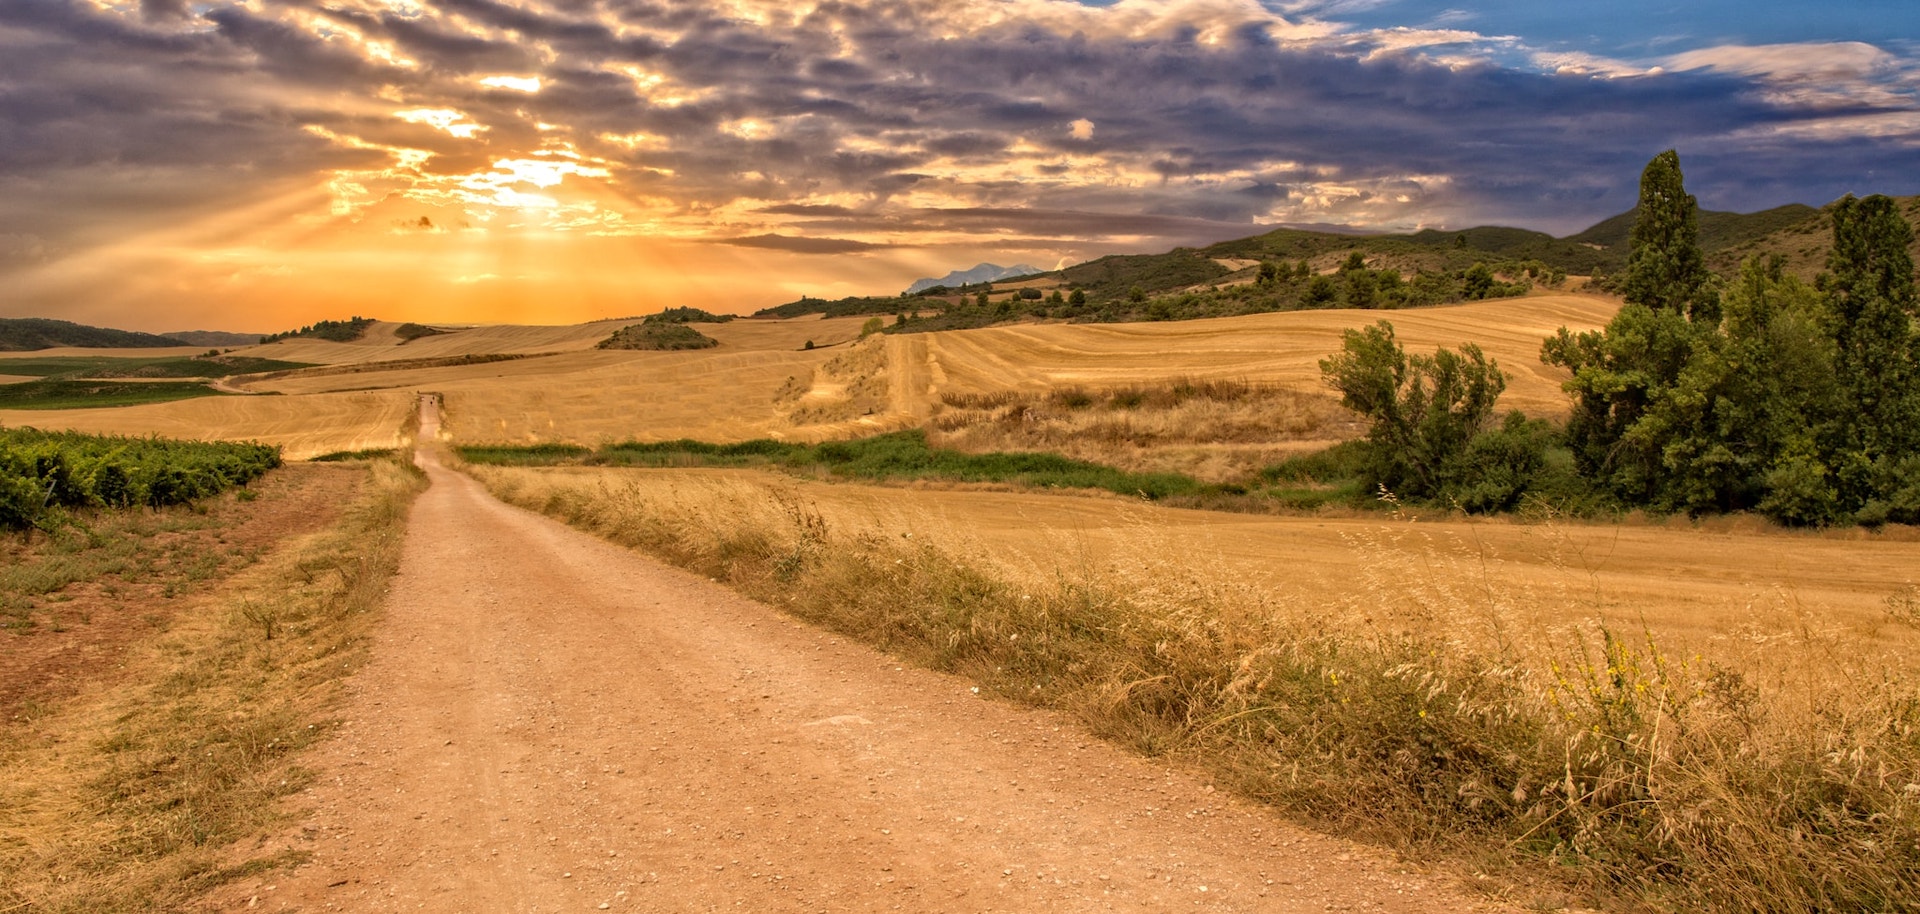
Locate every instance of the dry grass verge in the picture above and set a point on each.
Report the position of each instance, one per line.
(1780, 775)
(1213, 429)
(140, 796)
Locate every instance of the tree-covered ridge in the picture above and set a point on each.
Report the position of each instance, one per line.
(345, 331)
(1800, 235)
(27, 334)
(687, 315)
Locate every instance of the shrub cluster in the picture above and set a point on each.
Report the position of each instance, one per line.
(650, 335)
(42, 473)
(345, 331)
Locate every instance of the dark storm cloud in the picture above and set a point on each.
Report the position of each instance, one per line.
(803, 245)
(1185, 134)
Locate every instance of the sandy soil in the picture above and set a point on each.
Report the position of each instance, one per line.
(554, 723)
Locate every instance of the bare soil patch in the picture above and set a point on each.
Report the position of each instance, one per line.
(58, 643)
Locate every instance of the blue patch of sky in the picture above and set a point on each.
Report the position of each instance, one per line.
(1631, 29)
(1643, 28)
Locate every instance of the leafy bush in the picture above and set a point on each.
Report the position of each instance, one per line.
(43, 472)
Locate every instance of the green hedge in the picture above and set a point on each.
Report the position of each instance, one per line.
(42, 473)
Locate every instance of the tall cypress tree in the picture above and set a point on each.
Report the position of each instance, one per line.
(1871, 304)
(1623, 374)
(1665, 269)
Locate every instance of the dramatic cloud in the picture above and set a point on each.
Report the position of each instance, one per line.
(232, 150)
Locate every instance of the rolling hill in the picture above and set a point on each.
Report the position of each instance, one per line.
(1802, 235)
(29, 334)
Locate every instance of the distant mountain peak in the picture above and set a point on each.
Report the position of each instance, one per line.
(986, 272)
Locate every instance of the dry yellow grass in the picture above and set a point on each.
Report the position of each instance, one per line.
(303, 426)
(1717, 587)
(1218, 431)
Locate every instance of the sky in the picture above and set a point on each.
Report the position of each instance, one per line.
(261, 164)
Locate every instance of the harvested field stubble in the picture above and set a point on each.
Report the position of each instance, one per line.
(1770, 766)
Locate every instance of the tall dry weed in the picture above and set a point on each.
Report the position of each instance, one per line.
(1426, 707)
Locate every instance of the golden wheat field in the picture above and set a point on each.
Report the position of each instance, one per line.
(761, 382)
(1726, 588)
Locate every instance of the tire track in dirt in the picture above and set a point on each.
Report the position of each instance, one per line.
(553, 723)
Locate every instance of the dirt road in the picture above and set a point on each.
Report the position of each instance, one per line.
(553, 723)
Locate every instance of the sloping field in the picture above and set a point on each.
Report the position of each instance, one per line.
(381, 345)
(761, 382)
(303, 426)
(717, 395)
(1280, 348)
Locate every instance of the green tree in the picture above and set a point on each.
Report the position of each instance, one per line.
(1321, 293)
(1078, 299)
(1619, 431)
(1478, 283)
(1426, 410)
(872, 326)
(1665, 269)
(1269, 273)
(1871, 306)
(1751, 398)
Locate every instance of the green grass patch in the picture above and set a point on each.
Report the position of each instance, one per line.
(373, 453)
(533, 455)
(78, 367)
(897, 457)
(68, 393)
(197, 367)
(73, 366)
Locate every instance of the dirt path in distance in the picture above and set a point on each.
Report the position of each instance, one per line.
(554, 723)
